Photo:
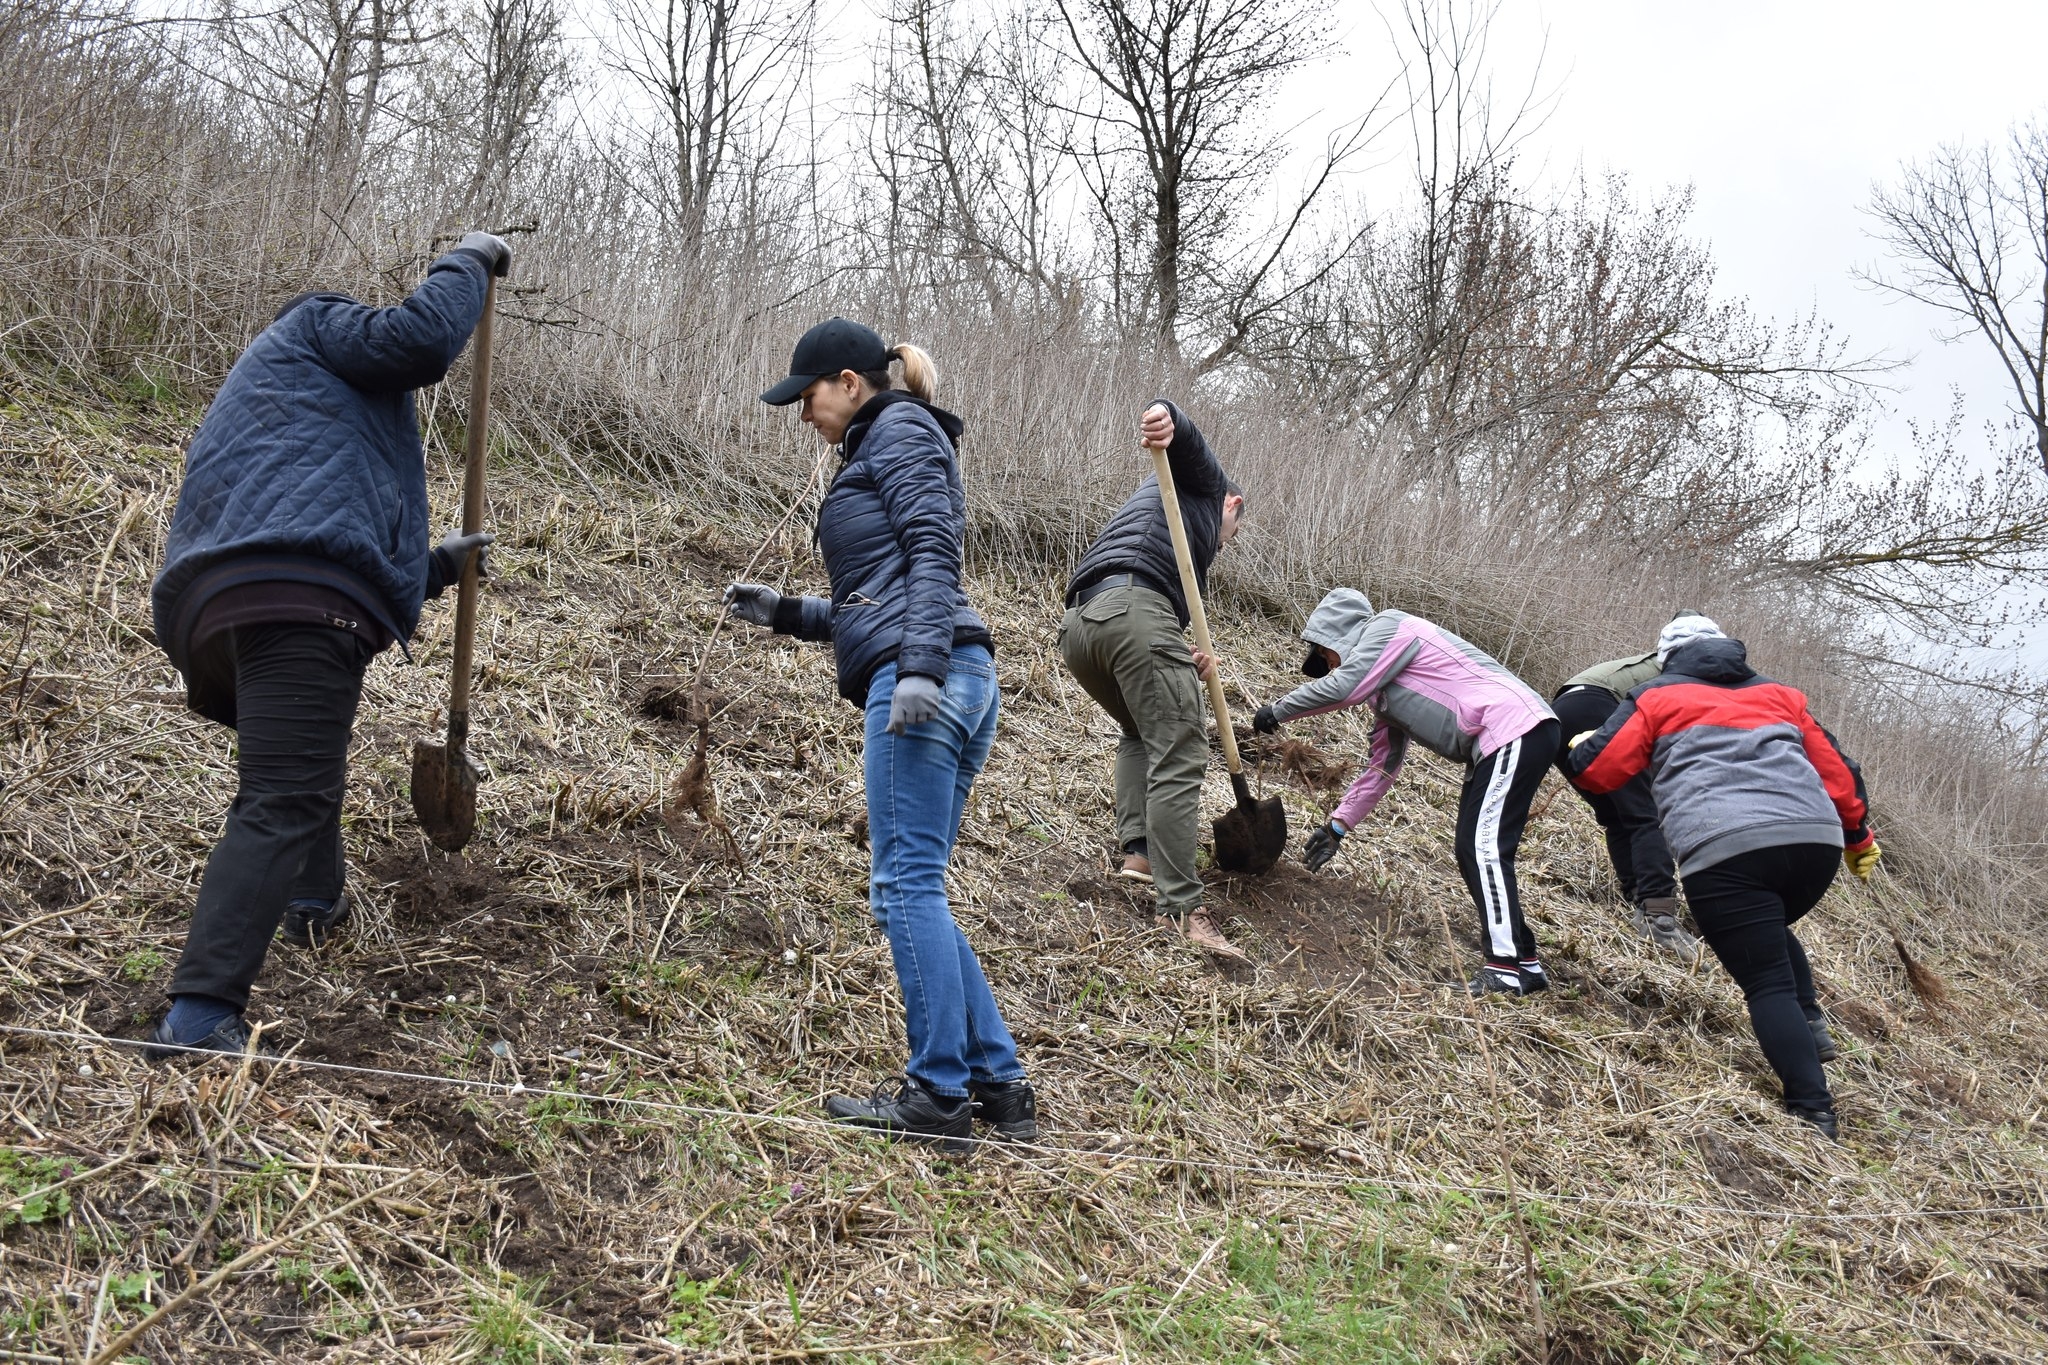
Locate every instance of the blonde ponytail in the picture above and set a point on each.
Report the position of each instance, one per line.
(920, 375)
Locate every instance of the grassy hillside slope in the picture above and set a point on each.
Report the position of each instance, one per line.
(615, 1033)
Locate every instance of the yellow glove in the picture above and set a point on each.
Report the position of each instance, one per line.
(1862, 860)
(1580, 738)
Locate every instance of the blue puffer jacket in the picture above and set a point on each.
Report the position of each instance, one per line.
(891, 530)
(311, 449)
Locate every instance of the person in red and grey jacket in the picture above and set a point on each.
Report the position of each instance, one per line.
(1758, 803)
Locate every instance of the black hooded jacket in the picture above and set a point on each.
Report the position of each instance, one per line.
(1136, 539)
(891, 530)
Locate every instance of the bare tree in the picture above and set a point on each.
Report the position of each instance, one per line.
(332, 78)
(506, 68)
(1969, 228)
(970, 144)
(1179, 86)
(722, 76)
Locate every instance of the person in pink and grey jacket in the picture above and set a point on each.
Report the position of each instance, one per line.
(1426, 685)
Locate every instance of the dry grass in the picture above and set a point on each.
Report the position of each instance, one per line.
(1296, 1161)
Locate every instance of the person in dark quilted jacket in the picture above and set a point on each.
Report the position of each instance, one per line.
(917, 658)
(299, 550)
(1122, 640)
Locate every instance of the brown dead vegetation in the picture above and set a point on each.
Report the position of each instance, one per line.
(659, 1188)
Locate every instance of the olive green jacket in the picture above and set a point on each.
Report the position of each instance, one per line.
(1618, 676)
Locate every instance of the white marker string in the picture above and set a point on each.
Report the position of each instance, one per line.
(1316, 1179)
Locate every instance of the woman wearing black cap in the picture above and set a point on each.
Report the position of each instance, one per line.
(916, 657)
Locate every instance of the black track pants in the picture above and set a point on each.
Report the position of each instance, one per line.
(1627, 815)
(1745, 907)
(1492, 810)
(296, 689)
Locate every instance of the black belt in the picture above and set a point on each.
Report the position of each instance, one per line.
(1116, 580)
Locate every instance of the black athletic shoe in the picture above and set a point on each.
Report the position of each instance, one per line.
(230, 1037)
(312, 926)
(905, 1109)
(1009, 1107)
(1534, 978)
(1494, 980)
(1823, 1119)
(1823, 1041)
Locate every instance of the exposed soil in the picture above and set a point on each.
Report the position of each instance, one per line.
(1737, 1168)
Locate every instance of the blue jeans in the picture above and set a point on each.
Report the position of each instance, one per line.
(917, 790)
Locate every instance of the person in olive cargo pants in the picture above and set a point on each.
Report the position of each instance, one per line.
(1122, 641)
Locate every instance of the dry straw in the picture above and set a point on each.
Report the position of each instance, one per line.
(1323, 1107)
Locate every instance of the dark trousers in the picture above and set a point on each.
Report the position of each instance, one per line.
(1493, 808)
(1628, 814)
(296, 689)
(1745, 907)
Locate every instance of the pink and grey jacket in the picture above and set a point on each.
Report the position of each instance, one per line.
(1422, 682)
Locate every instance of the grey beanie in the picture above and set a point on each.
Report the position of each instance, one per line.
(1684, 630)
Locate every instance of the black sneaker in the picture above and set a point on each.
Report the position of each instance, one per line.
(905, 1109)
(230, 1037)
(307, 925)
(1494, 980)
(1823, 1041)
(1009, 1107)
(1534, 978)
(1823, 1119)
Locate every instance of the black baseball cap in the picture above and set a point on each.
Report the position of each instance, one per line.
(833, 345)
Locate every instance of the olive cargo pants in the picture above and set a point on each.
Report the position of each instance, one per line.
(1125, 647)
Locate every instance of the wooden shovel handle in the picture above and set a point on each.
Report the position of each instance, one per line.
(1169, 498)
(473, 512)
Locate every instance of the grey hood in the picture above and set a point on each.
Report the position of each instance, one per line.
(1339, 620)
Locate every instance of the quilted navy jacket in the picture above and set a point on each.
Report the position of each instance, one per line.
(1136, 540)
(891, 531)
(311, 449)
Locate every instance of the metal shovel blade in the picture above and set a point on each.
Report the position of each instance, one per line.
(1251, 837)
(444, 794)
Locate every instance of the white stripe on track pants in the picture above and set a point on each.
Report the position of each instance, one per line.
(1492, 811)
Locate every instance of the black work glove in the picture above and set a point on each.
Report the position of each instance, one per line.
(916, 701)
(754, 603)
(453, 553)
(1322, 846)
(1264, 721)
(494, 249)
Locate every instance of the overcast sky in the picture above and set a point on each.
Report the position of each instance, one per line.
(1780, 116)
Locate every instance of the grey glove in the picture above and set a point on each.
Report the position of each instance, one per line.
(453, 553)
(492, 248)
(1322, 846)
(754, 603)
(916, 701)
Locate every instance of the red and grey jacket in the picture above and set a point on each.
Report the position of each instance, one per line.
(1737, 762)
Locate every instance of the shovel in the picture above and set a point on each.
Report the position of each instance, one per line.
(443, 779)
(1252, 837)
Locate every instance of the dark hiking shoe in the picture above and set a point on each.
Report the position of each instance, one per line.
(311, 924)
(1823, 1119)
(1494, 980)
(1656, 919)
(230, 1037)
(905, 1109)
(1009, 1107)
(1534, 978)
(1823, 1041)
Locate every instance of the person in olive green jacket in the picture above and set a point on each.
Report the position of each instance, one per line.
(1628, 816)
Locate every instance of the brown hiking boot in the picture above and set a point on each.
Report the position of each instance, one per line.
(1137, 867)
(1200, 928)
